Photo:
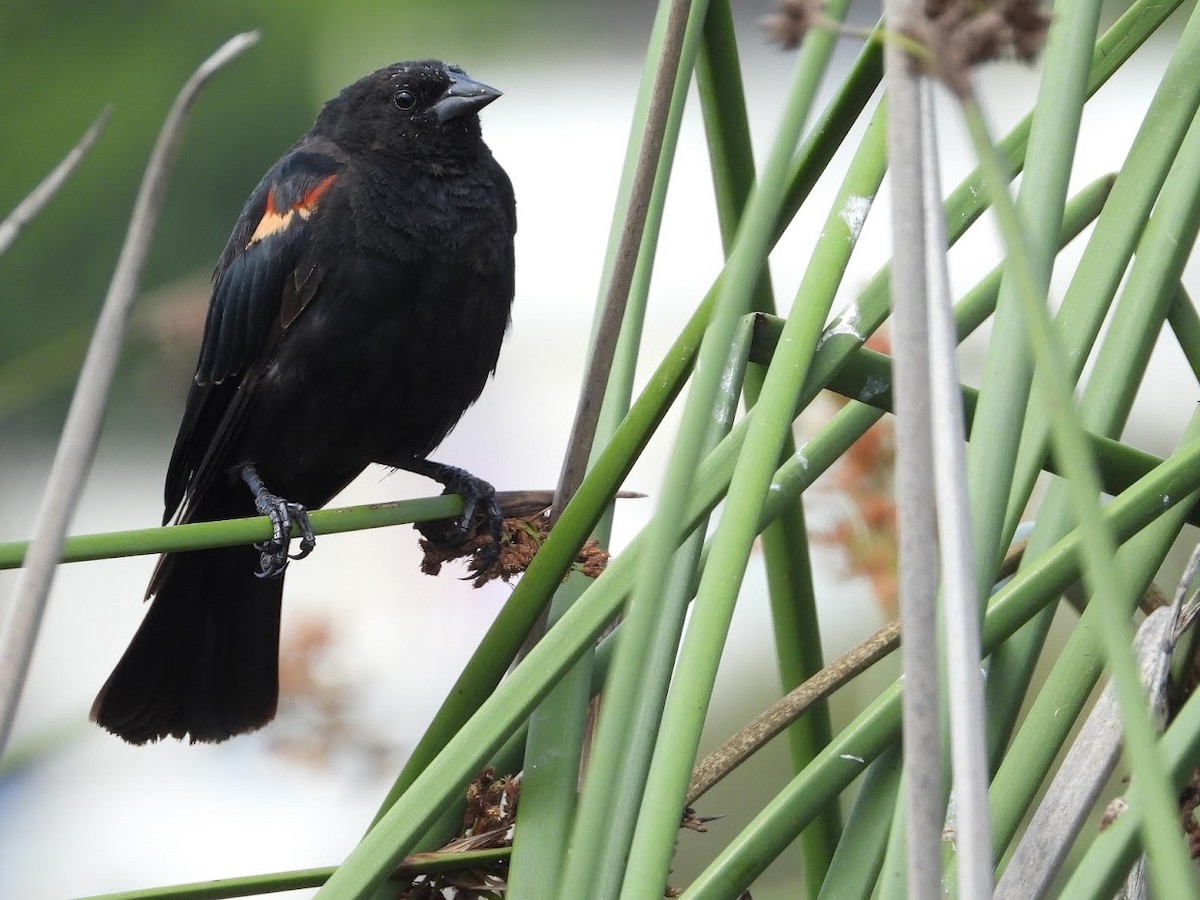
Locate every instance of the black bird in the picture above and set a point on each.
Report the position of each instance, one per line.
(357, 311)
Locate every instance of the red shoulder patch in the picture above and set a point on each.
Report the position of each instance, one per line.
(276, 221)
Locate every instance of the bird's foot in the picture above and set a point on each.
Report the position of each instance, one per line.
(479, 499)
(274, 553)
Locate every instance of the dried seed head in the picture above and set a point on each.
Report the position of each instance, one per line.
(521, 538)
(791, 21)
(960, 34)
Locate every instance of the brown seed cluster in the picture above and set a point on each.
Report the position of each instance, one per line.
(693, 822)
(487, 825)
(791, 21)
(491, 804)
(956, 34)
(1189, 806)
(521, 538)
(960, 34)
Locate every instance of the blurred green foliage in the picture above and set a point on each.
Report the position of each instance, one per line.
(62, 61)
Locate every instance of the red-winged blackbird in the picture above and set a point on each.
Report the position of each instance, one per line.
(357, 311)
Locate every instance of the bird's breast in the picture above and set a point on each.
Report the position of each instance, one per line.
(383, 362)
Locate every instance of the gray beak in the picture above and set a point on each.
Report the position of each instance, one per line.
(464, 97)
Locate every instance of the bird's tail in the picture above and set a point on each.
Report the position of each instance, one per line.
(204, 663)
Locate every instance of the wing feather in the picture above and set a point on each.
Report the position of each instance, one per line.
(267, 265)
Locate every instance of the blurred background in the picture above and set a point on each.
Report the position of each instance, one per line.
(370, 644)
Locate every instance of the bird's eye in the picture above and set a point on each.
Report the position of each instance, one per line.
(404, 100)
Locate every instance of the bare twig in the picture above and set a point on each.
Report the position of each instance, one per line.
(919, 832)
(1087, 767)
(780, 714)
(620, 280)
(427, 862)
(27, 210)
(77, 445)
(514, 504)
(787, 709)
(330, 520)
(960, 595)
(604, 346)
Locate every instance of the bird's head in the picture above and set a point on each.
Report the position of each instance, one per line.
(426, 103)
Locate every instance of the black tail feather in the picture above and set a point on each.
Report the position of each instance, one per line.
(205, 662)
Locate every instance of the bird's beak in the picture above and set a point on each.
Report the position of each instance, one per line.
(464, 97)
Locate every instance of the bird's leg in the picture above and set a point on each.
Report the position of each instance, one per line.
(477, 496)
(282, 514)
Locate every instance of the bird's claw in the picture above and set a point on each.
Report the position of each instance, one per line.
(486, 556)
(274, 554)
(478, 496)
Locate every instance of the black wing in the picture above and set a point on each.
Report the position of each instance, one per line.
(262, 282)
